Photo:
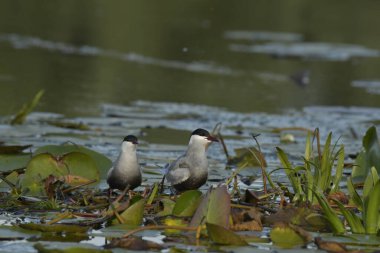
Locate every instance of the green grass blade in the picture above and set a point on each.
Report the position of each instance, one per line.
(356, 199)
(308, 173)
(339, 169)
(371, 210)
(325, 170)
(354, 221)
(20, 117)
(333, 219)
(289, 170)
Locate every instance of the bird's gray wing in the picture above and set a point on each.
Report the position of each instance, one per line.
(178, 171)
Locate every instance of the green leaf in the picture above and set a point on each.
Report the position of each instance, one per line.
(41, 166)
(20, 117)
(134, 214)
(152, 194)
(326, 166)
(57, 228)
(13, 161)
(371, 210)
(370, 182)
(102, 162)
(339, 169)
(214, 208)
(42, 249)
(187, 203)
(284, 236)
(356, 199)
(221, 235)
(368, 157)
(354, 221)
(289, 170)
(333, 219)
(168, 207)
(245, 157)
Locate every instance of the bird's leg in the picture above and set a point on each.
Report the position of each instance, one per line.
(123, 193)
(109, 192)
(162, 184)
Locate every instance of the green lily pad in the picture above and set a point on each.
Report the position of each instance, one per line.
(221, 235)
(102, 162)
(187, 203)
(73, 165)
(284, 236)
(57, 228)
(133, 215)
(42, 249)
(13, 161)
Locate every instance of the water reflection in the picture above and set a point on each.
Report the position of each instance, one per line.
(87, 53)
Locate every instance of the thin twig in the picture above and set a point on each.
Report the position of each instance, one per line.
(159, 227)
(79, 186)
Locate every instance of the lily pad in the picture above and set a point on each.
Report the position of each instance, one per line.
(57, 228)
(284, 236)
(43, 165)
(187, 203)
(102, 162)
(10, 162)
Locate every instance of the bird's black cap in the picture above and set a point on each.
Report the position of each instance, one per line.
(201, 132)
(131, 138)
(205, 133)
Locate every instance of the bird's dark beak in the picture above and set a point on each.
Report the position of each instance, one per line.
(212, 138)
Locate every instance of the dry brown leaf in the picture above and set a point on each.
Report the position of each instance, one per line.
(247, 226)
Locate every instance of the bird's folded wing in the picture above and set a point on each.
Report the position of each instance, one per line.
(178, 173)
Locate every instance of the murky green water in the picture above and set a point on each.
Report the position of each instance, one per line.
(86, 53)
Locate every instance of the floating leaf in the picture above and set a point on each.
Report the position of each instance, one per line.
(13, 149)
(174, 222)
(284, 236)
(221, 235)
(43, 165)
(133, 243)
(20, 117)
(10, 162)
(134, 215)
(187, 203)
(214, 208)
(70, 125)
(42, 249)
(57, 228)
(330, 246)
(101, 161)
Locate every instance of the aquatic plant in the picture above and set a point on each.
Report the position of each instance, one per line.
(318, 173)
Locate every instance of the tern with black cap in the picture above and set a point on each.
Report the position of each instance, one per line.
(126, 169)
(190, 170)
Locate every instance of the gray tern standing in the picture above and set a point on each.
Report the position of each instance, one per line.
(125, 173)
(190, 170)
